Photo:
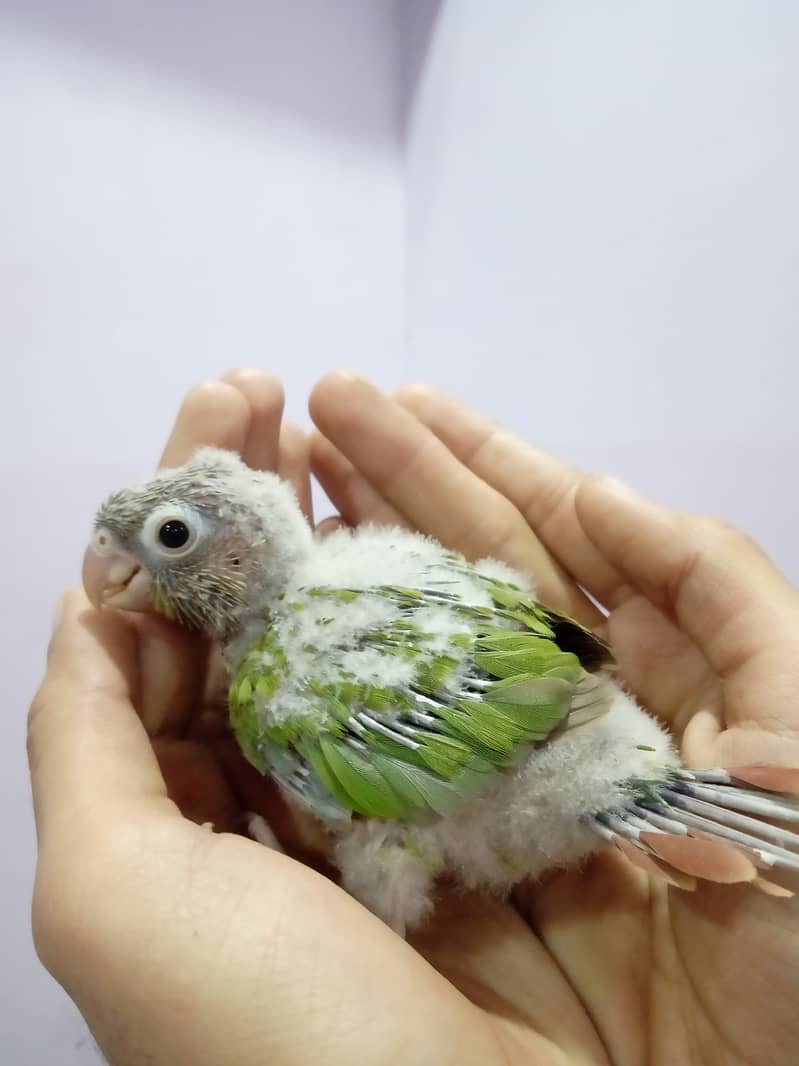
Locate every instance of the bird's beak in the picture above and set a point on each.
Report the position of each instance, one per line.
(116, 579)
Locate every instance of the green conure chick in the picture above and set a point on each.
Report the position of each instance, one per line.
(429, 711)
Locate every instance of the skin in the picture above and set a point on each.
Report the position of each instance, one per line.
(180, 944)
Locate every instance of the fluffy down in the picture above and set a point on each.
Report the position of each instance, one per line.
(531, 821)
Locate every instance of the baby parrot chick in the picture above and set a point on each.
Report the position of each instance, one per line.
(431, 712)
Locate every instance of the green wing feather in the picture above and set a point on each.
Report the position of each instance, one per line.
(419, 750)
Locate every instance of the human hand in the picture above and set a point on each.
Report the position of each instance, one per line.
(612, 966)
(148, 920)
(178, 944)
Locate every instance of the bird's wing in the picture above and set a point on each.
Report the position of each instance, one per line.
(419, 749)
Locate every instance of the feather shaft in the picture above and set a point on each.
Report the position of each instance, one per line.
(739, 799)
(733, 819)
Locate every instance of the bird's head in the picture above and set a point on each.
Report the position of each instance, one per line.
(204, 544)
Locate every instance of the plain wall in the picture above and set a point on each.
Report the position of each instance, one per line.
(591, 234)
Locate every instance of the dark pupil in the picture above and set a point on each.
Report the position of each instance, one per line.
(173, 534)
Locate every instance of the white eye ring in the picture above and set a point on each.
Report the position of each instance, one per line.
(172, 531)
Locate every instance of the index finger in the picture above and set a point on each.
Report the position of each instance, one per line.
(541, 486)
(89, 754)
(419, 476)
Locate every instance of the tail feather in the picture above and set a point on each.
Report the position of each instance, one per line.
(702, 823)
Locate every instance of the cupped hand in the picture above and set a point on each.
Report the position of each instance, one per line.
(180, 944)
(706, 633)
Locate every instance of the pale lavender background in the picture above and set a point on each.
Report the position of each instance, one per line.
(603, 238)
(580, 216)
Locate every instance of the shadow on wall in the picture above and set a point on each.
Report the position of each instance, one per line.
(417, 23)
(269, 55)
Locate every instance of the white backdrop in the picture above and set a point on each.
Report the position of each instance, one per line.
(579, 216)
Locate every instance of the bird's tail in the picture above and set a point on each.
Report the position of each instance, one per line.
(720, 825)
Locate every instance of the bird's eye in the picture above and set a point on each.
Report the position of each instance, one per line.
(174, 534)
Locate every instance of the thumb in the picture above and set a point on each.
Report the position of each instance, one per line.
(89, 754)
(717, 583)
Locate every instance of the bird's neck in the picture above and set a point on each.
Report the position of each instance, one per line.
(269, 591)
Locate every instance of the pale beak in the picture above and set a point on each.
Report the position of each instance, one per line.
(116, 579)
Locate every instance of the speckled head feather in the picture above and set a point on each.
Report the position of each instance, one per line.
(245, 533)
